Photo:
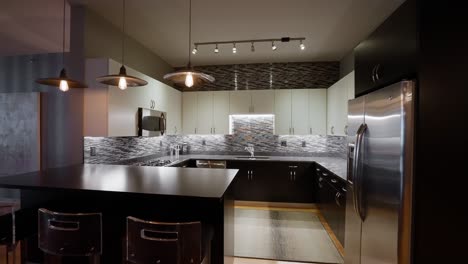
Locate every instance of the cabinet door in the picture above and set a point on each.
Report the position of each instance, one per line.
(332, 108)
(190, 110)
(350, 85)
(252, 182)
(303, 190)
(389, 53)
(240, 102)
(283, 112)
(221, 112)
(341, 216)
(300, 111)
(205, 113)
(242, 180)
(317, 111)
(263, 101)
(337, 108)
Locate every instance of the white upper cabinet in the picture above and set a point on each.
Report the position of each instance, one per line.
(110, 111)
(350, 85)
(221, 112)
(263, 101)
(205, 113)
(337, 105)
(190, 112)
(300, 112)
(240, 102)
(317, 111)
(283, 112)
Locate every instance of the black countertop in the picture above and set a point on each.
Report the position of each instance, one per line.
(190, 182)
(335, 165)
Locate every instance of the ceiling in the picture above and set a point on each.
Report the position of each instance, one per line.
(332, 28)
(31, 30)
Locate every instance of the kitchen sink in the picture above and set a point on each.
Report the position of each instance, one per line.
(253, 158)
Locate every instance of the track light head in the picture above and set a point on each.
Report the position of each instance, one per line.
(302, 46)
(234, 49)
(252, 48)
(195, 50)
(216, 50)
(273, 46)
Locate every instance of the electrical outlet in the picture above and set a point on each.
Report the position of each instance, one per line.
(304, 144)
(92, 151)
(284, 143)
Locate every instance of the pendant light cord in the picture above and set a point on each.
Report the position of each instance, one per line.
(190, 33)
(123, 31)
(63, 34)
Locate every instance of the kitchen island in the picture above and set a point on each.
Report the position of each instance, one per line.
(153, 193)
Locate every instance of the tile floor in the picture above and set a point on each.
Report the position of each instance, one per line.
(261, 261)
(252, 221)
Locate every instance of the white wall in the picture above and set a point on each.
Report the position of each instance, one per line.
(95, 106)
(123, 105)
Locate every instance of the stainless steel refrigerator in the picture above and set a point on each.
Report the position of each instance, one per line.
(380, 169)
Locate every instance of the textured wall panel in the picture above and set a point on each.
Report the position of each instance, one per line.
(19, 133)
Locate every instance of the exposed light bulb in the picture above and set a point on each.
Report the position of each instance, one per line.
(195, 50)
(122, 83)
(216, 50)
(273, 46)
(64, 86)
(234, 49)
(252, 48)
(302, 46)
(189, 80)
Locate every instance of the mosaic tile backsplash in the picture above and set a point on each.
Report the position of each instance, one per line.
(258, 76)
(255, 130)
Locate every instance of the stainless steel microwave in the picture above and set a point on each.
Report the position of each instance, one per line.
(151, 122)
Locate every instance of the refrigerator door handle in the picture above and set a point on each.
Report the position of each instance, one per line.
(357, 197)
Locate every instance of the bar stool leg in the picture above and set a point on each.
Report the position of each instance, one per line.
(52, 259)
(95, 259)
(10, 249)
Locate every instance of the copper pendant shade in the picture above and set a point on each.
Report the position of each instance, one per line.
(122, 80)
(182, 76)
(115, 79)
(62, 77)
(63, 82)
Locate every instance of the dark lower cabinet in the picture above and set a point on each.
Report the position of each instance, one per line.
(251, 181)
(332, 201)
(274, 181)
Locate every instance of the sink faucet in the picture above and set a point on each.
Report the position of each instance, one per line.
(250, 149)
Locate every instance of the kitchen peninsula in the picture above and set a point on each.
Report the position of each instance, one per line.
(158, 193)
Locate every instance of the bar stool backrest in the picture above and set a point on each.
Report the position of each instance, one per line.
(66, 234)
(7, 224)
(163, 243)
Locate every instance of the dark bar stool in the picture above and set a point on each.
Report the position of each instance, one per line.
(8, 229)
(65, 236)
(167, 243)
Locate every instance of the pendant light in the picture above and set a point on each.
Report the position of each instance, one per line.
(63, 82)
(189, 76)
(122, 80)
